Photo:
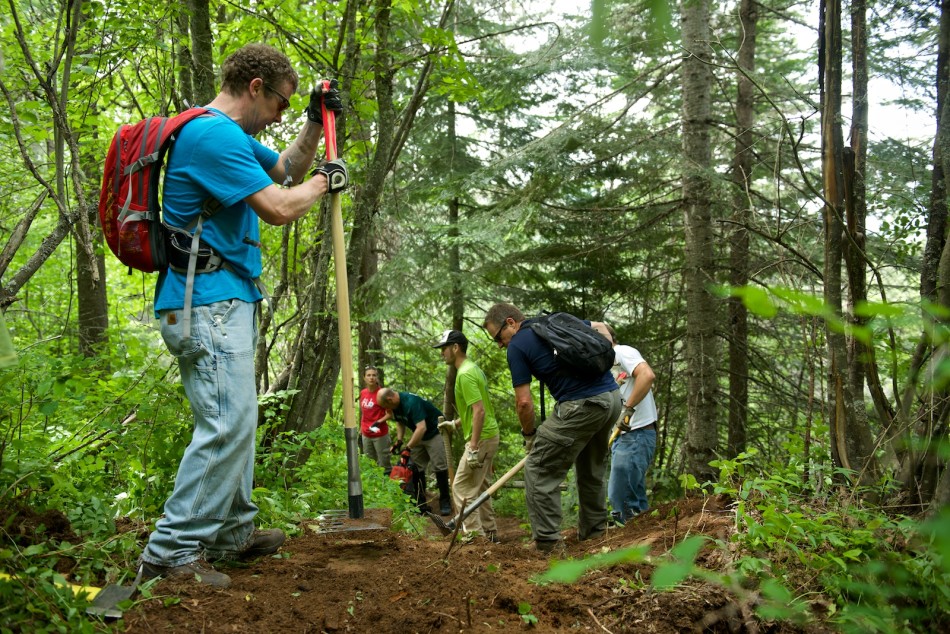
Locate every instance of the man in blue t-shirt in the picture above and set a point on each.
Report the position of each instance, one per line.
(575, 433)
(209, 515)
(425, 445)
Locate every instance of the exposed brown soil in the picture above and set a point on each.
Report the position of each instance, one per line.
(381, 581)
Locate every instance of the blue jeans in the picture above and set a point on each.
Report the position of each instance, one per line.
(210, 508)
(630, 457)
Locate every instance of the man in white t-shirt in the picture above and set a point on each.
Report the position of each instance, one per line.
(632, 450)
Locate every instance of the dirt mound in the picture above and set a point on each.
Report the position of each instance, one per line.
(25, 526)
(380, 581)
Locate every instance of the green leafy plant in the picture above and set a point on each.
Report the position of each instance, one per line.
(524, 611)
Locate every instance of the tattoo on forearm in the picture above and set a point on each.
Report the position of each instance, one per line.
(288, 174)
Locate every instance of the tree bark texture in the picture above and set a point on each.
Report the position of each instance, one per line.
(937, 216)
(183, 92)
(91, 297)
(919, 409)
(850, 437)
(739, 239)
(370, 331)
(701, 444)
(202, 55)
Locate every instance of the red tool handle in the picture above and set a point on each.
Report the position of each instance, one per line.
(329, 126)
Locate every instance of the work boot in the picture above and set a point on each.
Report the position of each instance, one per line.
(445, 498)
(492, 536)
(553, 547)
(262, 542)
(194, 569)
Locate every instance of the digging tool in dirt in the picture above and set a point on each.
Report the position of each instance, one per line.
(350, 429)
(448, 527)
(106, 603)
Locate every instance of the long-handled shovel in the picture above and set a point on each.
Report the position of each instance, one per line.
(448, 527)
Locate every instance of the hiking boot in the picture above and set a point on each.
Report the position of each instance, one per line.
(263, 542)
(551, 546)
(445, 496)
(195, 570)
(594, 535)
(492, 536)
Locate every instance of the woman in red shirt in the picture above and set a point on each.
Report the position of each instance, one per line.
(373, 427)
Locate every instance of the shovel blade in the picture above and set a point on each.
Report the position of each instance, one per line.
(106, 603)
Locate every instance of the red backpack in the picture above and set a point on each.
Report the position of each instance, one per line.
(130, 209)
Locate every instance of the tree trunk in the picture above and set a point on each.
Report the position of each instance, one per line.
(201, 52)
(701, 350)
(851, 443)
(183, 95)
(739, 240)
(937, 217)
(91, 298)
(370, 332)
(456, 299)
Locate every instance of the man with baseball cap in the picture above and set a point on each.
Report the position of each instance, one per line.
(480, 430)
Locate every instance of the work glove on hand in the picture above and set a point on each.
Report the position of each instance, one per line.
(451, 425)
(318, 98)
(529, 440)
(338, 178)
(404, 456)
(397, 446)
(625, 417)
(471, 456)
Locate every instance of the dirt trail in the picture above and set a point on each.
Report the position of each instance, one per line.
(380, 581)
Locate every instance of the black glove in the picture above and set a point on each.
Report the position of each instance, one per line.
(529, 440)
(396, 447)
(318, 98)
(337, 177)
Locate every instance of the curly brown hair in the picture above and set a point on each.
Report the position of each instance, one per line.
(256, 60)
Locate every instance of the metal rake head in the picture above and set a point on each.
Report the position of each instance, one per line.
(445, 527)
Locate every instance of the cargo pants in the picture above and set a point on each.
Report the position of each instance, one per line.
(575, 434)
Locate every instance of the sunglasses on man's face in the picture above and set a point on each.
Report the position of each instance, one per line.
(497, 336)
(282, 102)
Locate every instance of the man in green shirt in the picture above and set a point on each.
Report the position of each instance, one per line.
(480, 430)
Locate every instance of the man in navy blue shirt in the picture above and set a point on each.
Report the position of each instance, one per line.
(425, 445)
(575, 433)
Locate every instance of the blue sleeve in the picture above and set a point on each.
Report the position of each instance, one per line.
(230, 164)
(518, 365)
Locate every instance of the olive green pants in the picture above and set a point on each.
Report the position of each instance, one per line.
(575, 435)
